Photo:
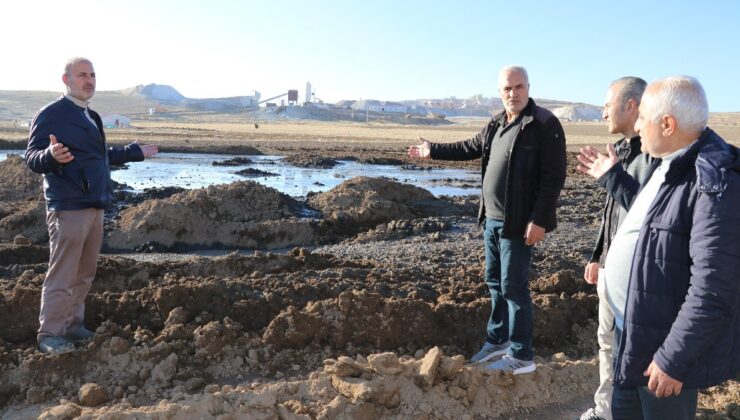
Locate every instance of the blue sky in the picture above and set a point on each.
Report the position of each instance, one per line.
(378, 49)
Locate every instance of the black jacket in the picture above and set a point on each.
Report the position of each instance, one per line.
(537, 167)
(85, 181)
(636, 164)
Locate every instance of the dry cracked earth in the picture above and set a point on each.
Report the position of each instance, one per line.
(366, 308)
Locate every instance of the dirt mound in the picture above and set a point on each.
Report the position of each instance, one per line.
(255, 173)
(396, 229)
(23, 254)
(26, 218)
(377, 386)
(242, 214)
(310, 161)
(364, 202)
(22, 206)
(17, 182)
(237, 161)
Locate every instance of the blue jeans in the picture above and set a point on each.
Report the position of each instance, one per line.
(507, 278)
(641, 404)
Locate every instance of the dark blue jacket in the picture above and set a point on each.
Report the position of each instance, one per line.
(85, 181)
(683, 302)
(537, 167)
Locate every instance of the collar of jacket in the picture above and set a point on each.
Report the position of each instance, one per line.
(712, 157)
(624, 147)
(527, 114)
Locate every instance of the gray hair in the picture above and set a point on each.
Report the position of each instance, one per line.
(72, 62)
(630, 88)
(682, 97)
(514, 69)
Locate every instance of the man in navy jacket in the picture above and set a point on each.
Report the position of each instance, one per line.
(678, 318)
(67, 145)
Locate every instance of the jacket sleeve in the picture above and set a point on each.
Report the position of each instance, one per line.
(599, 247)
(620, 185)
(462, 150)
(121, 155)
(710, 305)
(553, 164)
(38, 154)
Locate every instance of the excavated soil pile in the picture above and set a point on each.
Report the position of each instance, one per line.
(249, 215)
(242, 214)
(380, 385)
(362, 203)
(22, 207)
(310, 161)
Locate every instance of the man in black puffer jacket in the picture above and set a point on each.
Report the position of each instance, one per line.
(67, 145)
(522, 153)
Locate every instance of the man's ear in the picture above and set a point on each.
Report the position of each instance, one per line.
(668, 125)
(65, 79)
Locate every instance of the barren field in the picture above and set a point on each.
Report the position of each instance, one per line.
(366, 309)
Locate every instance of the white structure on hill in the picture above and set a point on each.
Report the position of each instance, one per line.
(386, 106)
(578, 113)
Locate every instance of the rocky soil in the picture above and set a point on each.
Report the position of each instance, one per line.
(362, 302)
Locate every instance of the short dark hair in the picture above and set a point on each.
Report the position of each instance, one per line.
(632, 88)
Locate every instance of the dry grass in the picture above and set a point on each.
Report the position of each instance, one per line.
(320, 135)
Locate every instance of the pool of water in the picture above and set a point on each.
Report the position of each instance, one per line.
(196, 170)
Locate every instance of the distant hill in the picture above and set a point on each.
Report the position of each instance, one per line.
(135, 102)
(24, 104)
(153, 92)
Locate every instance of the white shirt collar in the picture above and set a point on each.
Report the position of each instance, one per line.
(78, 102)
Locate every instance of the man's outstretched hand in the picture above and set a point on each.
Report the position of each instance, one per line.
(594, 163)
(149, 150)
(421, 151)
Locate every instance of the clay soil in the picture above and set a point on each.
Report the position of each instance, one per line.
(359, 303)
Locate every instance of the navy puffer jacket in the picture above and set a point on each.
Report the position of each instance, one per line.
(85, 181)
(683, 303)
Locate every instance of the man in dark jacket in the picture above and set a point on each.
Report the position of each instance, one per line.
(676, 260)
(67, 145)
(620, 113)
(523, 162)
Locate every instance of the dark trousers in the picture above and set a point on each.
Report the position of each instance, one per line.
(507, 278)
(641, 404)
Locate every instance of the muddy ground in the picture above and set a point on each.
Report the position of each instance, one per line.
(361, 302)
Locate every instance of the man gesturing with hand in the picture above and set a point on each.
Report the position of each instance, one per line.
(522, 152)
(67, 145)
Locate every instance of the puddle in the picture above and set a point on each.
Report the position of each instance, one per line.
(195, 170)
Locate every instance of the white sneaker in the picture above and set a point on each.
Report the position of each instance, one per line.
(590, 414)
(513, 365)
(489, 351)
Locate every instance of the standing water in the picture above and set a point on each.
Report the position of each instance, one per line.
(196, 170)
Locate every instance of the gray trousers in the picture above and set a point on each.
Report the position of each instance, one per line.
(75, 238)
(605, 336)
